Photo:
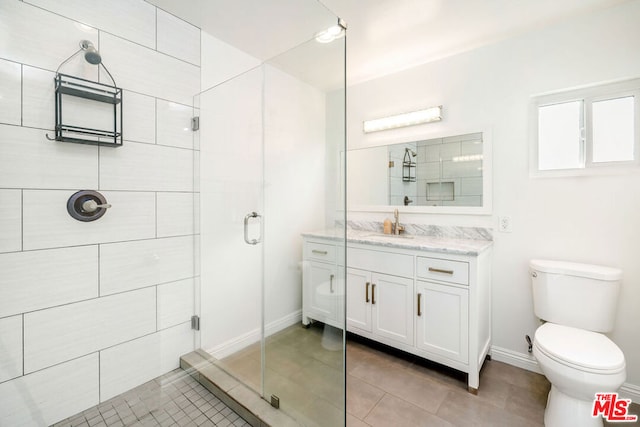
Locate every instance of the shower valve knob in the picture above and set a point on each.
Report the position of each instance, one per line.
(92, 206)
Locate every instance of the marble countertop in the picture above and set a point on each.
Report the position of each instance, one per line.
(415, 242)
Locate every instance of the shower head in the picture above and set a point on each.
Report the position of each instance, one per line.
(91, 54)
(409, 150)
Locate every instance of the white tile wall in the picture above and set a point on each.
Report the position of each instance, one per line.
(52, 314)
(461, 169)
(48, 396)
(175, 214)
(62, 333)
(47, 224)
(10, 220)
(174, 124)
(10, 96)
(176, 303)
(127, 365)
(471, 186)
(130, 265)
(178, 38)
(132, 20)
(146, 71)
(143, 167)
(29, 160)
(139, 122)
(39, 279)
(11, 345)
(38, 38)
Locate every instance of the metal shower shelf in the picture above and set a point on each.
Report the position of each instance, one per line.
(93, 91)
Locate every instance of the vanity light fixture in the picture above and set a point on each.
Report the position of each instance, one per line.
(432, 114)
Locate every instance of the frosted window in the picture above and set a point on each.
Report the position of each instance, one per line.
(559, 136)
(613, 133)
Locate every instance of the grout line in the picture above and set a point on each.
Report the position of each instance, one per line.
(156, 30)
(21, 94)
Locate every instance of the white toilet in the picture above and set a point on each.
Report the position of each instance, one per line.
(577, 302)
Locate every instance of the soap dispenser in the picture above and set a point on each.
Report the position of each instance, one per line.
(387, 226)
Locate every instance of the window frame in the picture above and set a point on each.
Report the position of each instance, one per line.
(588, 95)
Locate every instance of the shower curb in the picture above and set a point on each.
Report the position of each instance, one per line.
(237, 396)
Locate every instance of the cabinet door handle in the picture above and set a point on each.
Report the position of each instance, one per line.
(366, 292)
(331, 283)
(419, 308)
(438, 270)
(315, 251)
(373, 293)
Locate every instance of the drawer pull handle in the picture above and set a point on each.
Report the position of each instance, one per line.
(419, 308)
(315, 251)
(366, 292)
(373, 293)
(331, 283)
(438, 270)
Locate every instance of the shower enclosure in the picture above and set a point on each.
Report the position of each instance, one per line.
(195, 225)
(270, 143)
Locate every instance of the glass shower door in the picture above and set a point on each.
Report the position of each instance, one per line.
(303, 137)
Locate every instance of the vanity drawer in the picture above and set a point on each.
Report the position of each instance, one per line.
(391, 263)
(320, 252)
(443, 270)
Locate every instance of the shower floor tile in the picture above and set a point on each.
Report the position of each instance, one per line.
(174, 399)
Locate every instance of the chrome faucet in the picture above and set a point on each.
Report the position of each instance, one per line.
(397, 228)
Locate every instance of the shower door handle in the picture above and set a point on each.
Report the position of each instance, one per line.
(246, 228)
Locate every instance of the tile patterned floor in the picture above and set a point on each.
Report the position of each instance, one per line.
(174, 399)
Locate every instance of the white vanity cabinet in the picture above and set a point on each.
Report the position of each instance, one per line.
(323, 290)
(432, 303)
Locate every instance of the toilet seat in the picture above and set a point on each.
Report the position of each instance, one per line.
(579, 349)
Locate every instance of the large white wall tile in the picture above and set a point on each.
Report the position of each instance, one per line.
(47, 224)
(143, 70)
(174, 124)
(35, 280)
(38, 104)
(175, 214)
(62, 333)
(11, 345)
(10, 96)
(132, 265)
(36, 37)
(10, 220)
(178, 38)
(29, 160)
(132, 20)
(133, 363)
(48, 396)
(176, 303)
(139, 121)
(146, 167)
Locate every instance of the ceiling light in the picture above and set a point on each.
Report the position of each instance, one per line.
(433, 114)
(330, 34)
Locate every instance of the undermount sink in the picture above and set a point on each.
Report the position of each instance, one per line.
(390, 236)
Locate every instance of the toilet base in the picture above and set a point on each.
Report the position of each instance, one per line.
(566, 411)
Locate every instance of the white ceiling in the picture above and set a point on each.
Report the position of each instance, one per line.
(384, 36)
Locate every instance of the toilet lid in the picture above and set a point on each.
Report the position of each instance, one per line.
(584, 349)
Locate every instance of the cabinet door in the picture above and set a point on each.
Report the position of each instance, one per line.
(321, 291)
(443, 320)
(359, 299)
(392, 307)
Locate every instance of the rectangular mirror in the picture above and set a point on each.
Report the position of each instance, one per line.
(438, 175)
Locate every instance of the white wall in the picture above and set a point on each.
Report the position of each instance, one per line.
(89, 310)
(587, 219)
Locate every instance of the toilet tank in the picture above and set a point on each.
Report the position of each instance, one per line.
(584, 296)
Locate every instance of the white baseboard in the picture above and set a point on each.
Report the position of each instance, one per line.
(630, 391)
(510, 357)
(528, 362)
(238, 343)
